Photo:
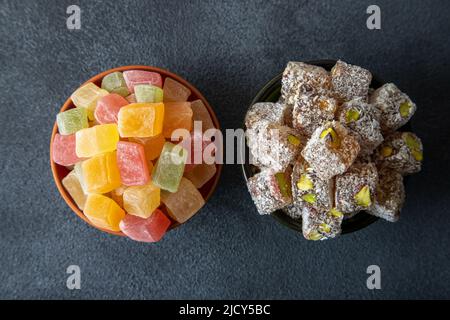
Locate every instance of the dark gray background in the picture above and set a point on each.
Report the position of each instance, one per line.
(228, 50)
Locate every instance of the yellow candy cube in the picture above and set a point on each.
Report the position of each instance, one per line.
(103, 212)
(141, 201)
(96, 140)
(101, 173)
(73, 187)
(117, 195)
(87, 97)
(141, 120)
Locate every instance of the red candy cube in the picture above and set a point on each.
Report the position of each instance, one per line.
(151, 229)
(135, 77)
(132, 164)
(108, 107)
(63, 150)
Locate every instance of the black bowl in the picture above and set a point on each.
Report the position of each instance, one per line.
(271, 92)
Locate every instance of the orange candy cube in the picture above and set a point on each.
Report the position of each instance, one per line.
(103, 212)
(101, 173)
(152, 146)
(141, 120)
(178, 115)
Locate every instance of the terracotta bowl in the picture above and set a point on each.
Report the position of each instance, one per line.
(59, 172)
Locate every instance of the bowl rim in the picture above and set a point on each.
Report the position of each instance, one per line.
(357, 222)
(96, 78)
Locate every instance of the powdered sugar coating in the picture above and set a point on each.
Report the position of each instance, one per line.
(299, 78)
(366, 128)
(322, 190)
(263, 113)
(326, 160)
(294, 211)
(388, 99)
(265, 192)
(351, 182)
(320, 224)
(312, 110)
(273, 147)
(350, 81)
(390, 195)
(402, 157)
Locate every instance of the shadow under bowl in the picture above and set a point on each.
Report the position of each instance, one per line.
(59, 172)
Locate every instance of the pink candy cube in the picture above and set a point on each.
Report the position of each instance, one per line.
(151, 229)
(108, 107)
(63, 150)
(195, 145)
(135, 77)
(132, 164)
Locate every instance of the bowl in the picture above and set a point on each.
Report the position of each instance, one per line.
(59, 172)
(271, 92)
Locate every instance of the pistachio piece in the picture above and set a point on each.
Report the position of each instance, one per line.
(363, 198)
(405, 109)
(285, 188)
(386, 151)
(314, 235)
(336, 213)
(418, 155)
(304, 183)
(309, 197)
(411, 141)
(333, 137)
(325, 228)
(294, 140)
(351, 115)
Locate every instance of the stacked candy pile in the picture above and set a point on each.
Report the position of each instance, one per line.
(330, 148)
(126, 173)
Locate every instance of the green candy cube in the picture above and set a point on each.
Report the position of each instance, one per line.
(148, 93)
(115, 83)
(169, 169)
(72, 120)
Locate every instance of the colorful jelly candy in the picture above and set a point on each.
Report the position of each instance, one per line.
(184, 203)
(169, 168)
(73, 186)
(135, 77)
(141, 201)
(96, 140)
(131, 98)
(63, 150)
(152, 145)
(201, 174)
(175, 91)
(177, 115)
(151, 229)
(101, 173)
(200, 113)
(132, 164)
(148, 93)
(103, 212)
(195, 144)
(72, 120)
(141, 120)
(87, 96)
(115, 83)
(108, 107)
(112, 138)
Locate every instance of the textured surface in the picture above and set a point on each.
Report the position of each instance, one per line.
(228, 50)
